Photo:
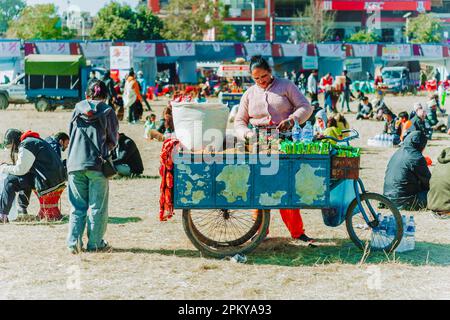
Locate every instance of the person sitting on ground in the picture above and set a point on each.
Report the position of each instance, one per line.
(321, 123)
(379, 106)
(419, 123)
(127, 158)
(332, 130)
(439, 194)
(390, 125)
(407, 177)
(402, 124)
(35, 165)
(166, 126)
(432, 118)
(365, 109)
(342, 123)
(150, 124)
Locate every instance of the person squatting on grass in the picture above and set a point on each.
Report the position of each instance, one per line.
(407, 178)
(35, 165)
(94, 133)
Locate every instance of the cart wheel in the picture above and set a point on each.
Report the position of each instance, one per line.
(362, 234)
(43, 105)
(220, 233)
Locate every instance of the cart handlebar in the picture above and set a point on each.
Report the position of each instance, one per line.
(354, 135)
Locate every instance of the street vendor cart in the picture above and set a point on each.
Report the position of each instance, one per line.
(219, 194)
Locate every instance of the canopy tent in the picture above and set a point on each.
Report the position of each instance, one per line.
(54, 65)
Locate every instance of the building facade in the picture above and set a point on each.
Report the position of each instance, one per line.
(275, 20)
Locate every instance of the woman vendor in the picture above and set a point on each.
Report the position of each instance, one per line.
(273, 101)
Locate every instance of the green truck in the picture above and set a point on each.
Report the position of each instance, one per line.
(49, 81)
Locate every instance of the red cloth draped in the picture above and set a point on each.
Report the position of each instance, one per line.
(166, 173)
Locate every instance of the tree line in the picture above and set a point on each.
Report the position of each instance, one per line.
(185, 20)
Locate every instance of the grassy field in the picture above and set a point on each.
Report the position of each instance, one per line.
(155, 260)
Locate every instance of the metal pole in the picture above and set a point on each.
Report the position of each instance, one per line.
(253, 37)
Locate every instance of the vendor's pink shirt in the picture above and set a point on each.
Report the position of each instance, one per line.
(263, 107)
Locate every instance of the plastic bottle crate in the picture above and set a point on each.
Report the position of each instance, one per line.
(345, 168)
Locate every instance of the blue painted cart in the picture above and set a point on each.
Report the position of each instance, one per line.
(226, 199)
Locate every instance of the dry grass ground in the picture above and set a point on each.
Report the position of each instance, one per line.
(155, 260)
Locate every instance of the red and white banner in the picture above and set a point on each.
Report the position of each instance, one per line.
(382, 5)
(294, 50)
(264, 49)
(143, 50)
(233, 70)
(9, 49)
(95, 49)
(53, 47)
(431, 51)
(181, 49)
(330, 50)
(364, 50)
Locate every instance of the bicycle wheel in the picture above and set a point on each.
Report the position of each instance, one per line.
(220, 233)
(363, 235)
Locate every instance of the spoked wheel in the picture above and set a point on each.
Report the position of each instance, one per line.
(363, 235)
(220, 233)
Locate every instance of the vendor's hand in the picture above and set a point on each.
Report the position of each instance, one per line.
(285, 125)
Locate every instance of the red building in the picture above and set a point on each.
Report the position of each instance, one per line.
(274, 19)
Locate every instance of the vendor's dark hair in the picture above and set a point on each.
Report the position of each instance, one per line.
(97, 90)
(259, 62)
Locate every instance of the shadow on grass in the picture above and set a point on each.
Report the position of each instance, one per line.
(182, 253)
(34, 221)
(123, 220)
(283, 252)
(136, 177)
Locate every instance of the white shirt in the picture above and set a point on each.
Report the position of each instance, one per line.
(312, 84)
(25, 160)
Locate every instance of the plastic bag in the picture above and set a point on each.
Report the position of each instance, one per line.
(13, 212)
(200, 125)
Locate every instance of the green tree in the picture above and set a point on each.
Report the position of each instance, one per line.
(40, 21)
(364, 36)
(191, 19)
(315, 24)
(9, 10)
(121, 22)
(424, 28)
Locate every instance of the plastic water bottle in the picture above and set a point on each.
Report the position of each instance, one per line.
(383, 232)
(296, 132)
(410, 234)
(307, 133)
(391, 229)
(376, 233)
(402, 247)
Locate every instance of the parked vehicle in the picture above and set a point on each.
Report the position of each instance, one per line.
(13, 92)
(396, 79)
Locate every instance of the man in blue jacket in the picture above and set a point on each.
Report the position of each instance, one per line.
(407, 178)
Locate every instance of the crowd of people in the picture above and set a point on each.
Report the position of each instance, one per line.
(97, 149)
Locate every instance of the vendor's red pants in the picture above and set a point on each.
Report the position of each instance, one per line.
(292, 219)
